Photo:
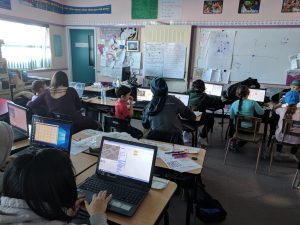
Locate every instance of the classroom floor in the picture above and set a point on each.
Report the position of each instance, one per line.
(249, 199)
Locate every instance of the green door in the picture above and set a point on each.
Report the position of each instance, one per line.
(83, 55)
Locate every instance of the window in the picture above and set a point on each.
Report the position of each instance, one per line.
(25, 46)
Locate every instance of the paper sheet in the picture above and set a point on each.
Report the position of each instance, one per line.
(170, 9)
(135, 60)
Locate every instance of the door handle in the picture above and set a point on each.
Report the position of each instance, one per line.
(91, 50)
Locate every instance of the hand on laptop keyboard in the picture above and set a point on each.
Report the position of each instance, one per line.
(98, 203)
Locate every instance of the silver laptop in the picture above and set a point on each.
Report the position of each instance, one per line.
(257, 95)
(79, 87)
(213, 89)
(124, 169)
(18, 121)
(182, 97)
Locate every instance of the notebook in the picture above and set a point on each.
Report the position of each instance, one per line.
(213, 89)
(143, 97)
(124, 169)
(182, 97)
(257, 95)
(49, 133)
(18, 121)
(79, 87)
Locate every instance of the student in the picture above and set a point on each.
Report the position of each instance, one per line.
(38, 87)
(162, 112)
(41, 189)
(200, 101)
(289, 110)
(6, 142)
(245, 107)
(124, 109)
(62, 99)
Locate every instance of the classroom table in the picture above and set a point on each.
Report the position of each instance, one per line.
(151, 210)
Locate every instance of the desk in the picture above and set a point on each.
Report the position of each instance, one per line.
(20, 144)
(154, 205)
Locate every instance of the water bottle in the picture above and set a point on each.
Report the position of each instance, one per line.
(103, 96)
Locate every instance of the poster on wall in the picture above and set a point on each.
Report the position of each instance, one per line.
(212, 7)
(249, 6)
(5, 4)
(290, 6)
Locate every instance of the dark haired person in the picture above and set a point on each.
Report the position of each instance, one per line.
(38, 87)
(161, 115)
(201, 101)
(62, 99)
(124, 109)
(245, 107)
(41, 189)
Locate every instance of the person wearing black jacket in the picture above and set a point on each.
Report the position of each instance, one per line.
(200, 101)
(161, 115)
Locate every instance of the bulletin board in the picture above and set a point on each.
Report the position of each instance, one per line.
(258, 53)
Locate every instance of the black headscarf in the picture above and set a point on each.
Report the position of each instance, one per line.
(159, 89)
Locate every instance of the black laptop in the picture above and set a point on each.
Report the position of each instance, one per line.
(143, 97)
(18, 121)
(49, 133)
(124, 169)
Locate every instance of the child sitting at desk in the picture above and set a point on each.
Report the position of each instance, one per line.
(201, 101)
(40, 188)
(38, 87)
(289, 110)
(161, 115)
(243, 106)
(124, 109)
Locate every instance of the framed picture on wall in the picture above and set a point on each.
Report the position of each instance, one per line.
(133, 46)
(249, 6)
(290, 6)
(212, 7)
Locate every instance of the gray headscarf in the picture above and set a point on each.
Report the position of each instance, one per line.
(6, 142)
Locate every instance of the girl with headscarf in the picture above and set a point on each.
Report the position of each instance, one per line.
(6, 142)
(162, 112)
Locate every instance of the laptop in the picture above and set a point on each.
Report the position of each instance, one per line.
(18, 120)
(143, 97)
(49, 133)
(182, 97)
(257, 95)
(79, 87)
(124, 169)
(213, 89)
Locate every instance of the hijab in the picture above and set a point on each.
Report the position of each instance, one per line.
(6, 142)
(159, 89)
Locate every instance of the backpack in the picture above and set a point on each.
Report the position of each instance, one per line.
(230, 92)
(209, 209)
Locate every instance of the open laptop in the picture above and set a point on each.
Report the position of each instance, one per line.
(182, 97)
(213, 89)
(49, 133)
(257, 95)
(124, 169)
(143, 97)
(79, 87)
(18, 120)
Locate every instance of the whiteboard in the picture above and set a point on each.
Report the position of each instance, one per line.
(261, 53)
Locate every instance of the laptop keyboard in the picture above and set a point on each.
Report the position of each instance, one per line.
(118, 192)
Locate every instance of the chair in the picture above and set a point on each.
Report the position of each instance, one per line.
(291, 128)
(113, 124)
(246, 134)
(165, 136)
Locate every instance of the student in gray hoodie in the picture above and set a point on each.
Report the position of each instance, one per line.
(41, 189)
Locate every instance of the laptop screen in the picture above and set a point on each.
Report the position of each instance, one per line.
(51, 132)
(144, 94)
(17, 116)
(182, 97)
(257, 94)
(79, 87)
(213, 89)
(126, 159)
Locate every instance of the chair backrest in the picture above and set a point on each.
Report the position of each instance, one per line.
(165, 136)
(247, 125)
(112, 124)
(290, 127)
